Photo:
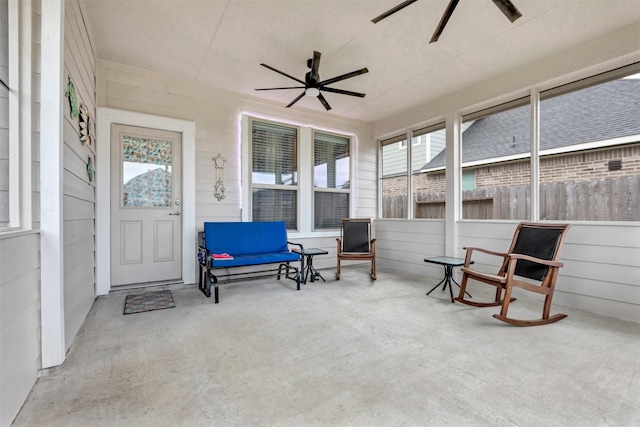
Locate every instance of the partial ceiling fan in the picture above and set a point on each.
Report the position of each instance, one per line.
(313, 85)
(505, 6)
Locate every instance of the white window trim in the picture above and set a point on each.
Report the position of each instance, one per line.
(315, 189)
(14, 115)
(247, 151)
(20, 117)
(305, 177)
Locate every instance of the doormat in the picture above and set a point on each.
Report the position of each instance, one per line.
(149, 301)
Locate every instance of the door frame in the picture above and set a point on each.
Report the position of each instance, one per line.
(105, 118)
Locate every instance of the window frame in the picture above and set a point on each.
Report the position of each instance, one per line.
(535, 95)
(252, 185)
(400, 139)
(13, 85)
(326, 189)
(305, 207)
(466, 166)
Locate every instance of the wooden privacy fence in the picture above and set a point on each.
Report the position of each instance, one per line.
(598, 200)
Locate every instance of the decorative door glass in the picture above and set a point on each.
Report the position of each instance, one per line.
(146, 172)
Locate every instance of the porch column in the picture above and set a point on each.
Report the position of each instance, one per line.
(453, 178)
(51, 209)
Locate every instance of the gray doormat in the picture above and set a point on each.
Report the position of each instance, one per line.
(148, 301)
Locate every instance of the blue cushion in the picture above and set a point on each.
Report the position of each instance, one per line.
(255, 259)
(244, 238)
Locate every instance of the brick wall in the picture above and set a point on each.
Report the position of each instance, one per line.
(579, 166)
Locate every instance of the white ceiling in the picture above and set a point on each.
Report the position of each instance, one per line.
(221, 43)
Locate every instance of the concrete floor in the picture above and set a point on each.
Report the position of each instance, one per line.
(345, 353)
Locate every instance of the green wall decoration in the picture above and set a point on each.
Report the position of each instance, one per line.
(73, 102)
(90, 168)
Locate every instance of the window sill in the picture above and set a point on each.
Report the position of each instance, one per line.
(11, 233)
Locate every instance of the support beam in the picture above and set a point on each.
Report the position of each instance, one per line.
(453, 196)
(535, 156)
(51, 209)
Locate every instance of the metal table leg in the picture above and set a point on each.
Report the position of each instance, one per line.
(448, 278)
(312, 270)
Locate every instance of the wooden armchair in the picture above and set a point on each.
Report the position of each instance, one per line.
(355, 243)
(534, 255)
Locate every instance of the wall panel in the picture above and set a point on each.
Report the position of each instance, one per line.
(19, 320)
(217, 116)
(79, 192)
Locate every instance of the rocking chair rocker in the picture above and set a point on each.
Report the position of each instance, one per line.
(533, 255)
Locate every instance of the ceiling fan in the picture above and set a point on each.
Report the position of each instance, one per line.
(313, 85)
(505, 6)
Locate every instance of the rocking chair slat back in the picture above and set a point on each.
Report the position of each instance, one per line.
(538, 242)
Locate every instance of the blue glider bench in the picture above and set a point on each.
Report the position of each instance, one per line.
(249, 243)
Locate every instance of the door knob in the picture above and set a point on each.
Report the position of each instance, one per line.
(175, 213)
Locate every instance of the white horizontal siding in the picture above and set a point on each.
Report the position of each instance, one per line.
(20, 330)
(79, 193)
(403, 245)
(19, 320)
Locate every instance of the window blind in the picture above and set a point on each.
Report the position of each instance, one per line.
(274, 154)
(332, 179)
(331, 161)
(274, 178)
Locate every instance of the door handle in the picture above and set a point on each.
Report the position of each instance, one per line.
(175, 213)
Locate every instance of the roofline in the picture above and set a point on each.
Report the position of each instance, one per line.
(559, 150)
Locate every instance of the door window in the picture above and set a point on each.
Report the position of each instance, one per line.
(146, 172)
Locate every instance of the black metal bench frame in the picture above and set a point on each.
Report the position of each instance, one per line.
(206, 270)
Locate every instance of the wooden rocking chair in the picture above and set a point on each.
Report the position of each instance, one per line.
(533, 255)
(355, 243)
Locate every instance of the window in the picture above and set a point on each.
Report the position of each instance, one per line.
(468, 179)
(331, 180)
(428, 173)
(297, 174)
(5, 145)
(496, 151)
(590, 149)
(394, 178)
(414, 141)
(274, 173)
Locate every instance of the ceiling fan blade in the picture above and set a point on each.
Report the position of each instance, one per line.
(392, 11)
(278, 88)
(324, 102)
(295, 100)
(443, 21)
(508, 8)
(343, 77)
(343, 92)
(315, 63)
(283, 73)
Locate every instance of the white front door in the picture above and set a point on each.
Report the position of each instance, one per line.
(146, 226)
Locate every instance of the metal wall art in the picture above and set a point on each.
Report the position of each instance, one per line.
(84, 123)
(90, 170)
(73, 101)
(218, 164)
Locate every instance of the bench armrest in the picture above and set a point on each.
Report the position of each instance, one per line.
(296, 244)
(204, 257)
